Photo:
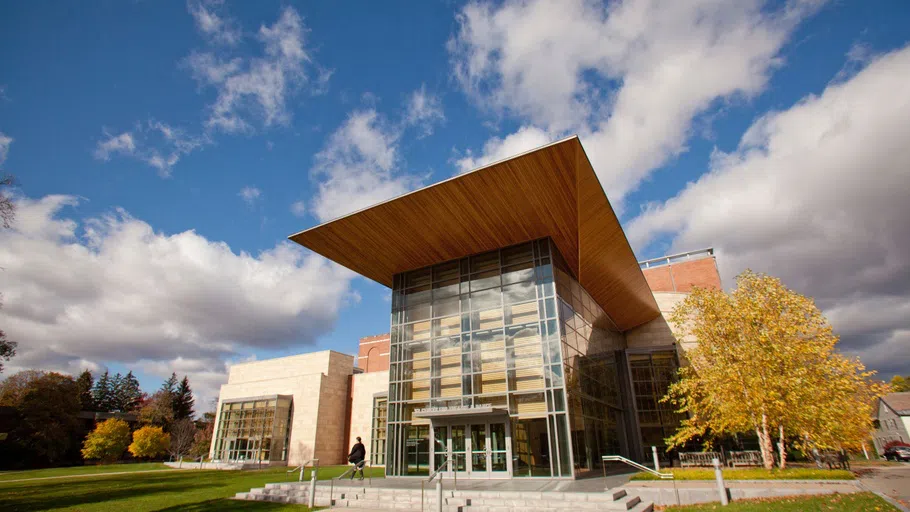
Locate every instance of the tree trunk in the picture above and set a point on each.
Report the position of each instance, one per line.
(765, 440)
(782, 447)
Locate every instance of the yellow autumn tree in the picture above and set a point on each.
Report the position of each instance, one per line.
(149, 441)
(108, 441)
(765, 362)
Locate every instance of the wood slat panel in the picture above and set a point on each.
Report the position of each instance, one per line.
(549, 192)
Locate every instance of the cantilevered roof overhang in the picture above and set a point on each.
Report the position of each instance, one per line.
(551, 192)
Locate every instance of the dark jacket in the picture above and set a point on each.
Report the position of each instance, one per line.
(358, 453)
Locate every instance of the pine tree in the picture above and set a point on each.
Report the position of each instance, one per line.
(86, 382)
(170, 385)
(115, 400)
(102, 392)
(183, 400)
(131, 394)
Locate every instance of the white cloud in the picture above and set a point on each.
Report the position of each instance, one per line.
(817, 195)
(629, 78)
(112, 289)
(5, 142)
(298, 208)
(115, 144)
(256, 90)
(218, 28)
(250, 195)
(423, 110)
(495, 149)
(357, 167)
(157, 144)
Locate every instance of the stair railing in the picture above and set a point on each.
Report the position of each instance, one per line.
(620, 458)
(360, 465)
(303, 466)
(447, 463)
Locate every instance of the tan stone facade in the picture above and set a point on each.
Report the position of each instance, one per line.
(364, 389)
(318, 383)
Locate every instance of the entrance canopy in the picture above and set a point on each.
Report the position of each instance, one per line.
(551, 192)
(460, 413)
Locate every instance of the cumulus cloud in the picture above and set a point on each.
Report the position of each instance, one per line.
(5, 142)
(298, 208)
(250, 195)
(112, 289)
(628, 77)
(255, 90)
(115, 144)
(154, 143)
(423, 110)
(358, 166)
(817, 195)
(495, 149)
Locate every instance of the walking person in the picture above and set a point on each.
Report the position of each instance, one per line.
(357, 456)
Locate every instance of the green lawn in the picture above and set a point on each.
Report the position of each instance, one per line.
(80, 470)
(857, 502)
(194, 490)
(753, 474)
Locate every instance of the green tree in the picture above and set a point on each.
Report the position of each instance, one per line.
(183, 400)
(7, 347)
(149, 441)
(126, 393)
(103, 393)
(108, 441)
(48, 407)
(170, 385)
(158, 410)
(900, 384)
(766, 362)
(85, 383)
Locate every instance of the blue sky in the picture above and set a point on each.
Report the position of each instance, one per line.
(154, 140)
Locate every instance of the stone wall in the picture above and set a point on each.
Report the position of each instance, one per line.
(364, 387)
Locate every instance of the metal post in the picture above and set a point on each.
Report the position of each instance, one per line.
(439, 494)
(312, 488)
(656, 462)
(421, 494)
(721, 489)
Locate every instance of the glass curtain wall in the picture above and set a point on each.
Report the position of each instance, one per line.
(651, 375)
(591, 346)
(254, 430)
(480, 331)
(378, 437)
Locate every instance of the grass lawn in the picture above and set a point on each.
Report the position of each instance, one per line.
(80, 470)
(753, 474)
(857, 502)
(193, 490)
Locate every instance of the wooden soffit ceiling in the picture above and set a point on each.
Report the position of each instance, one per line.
(551, 192)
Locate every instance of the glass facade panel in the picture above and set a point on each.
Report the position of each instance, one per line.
(378, 437)
(651, 375)
(480, 331)
(253, 430)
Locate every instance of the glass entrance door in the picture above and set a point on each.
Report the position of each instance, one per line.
(477, 450)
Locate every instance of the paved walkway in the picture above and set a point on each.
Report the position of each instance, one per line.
(115, 473)
(893, 481)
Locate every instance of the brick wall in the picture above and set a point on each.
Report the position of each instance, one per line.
(373, 355)
(683, 276)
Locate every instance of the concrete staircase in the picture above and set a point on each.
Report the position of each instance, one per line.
(377, 498)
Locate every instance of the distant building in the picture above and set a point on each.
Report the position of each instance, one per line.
(892, 420)
(526, 340)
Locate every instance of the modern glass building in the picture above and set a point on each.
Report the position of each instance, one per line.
(525, 338)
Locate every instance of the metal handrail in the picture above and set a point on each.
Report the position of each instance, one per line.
(620, 458)
(303, 466)
(438, 472)
(362, 464)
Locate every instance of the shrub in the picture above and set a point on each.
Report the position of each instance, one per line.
(108, 441)
(149, 442)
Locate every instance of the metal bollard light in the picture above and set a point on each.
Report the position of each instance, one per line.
(656, 461)
(721, 489)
